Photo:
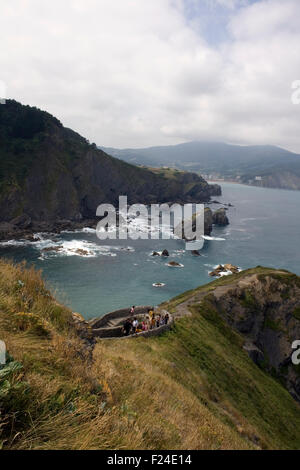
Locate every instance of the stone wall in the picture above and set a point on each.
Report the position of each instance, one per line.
(124, 312)
(112, 333)
(100, 329)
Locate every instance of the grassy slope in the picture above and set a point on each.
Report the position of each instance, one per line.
(232, 403)
(191, 388)
(52, 399)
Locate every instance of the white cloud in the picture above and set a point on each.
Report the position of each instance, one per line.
(231, 4)
(134, 73)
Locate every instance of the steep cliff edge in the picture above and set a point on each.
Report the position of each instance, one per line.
(52, 177)
(263, 305)
(266, 310)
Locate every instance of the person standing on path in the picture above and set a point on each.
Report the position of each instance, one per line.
(132, 310)
(127, 327)
(134, 325)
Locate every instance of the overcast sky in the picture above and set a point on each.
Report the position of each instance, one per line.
(135, 73)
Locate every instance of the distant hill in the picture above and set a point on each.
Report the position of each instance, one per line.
(262, 165)
(50, 174)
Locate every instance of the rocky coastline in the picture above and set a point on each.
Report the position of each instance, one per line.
(24, 228)
(52, 179)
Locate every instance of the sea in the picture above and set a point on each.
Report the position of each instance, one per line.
(110, 274)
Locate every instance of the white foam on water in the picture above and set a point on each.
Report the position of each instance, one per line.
(80, 230)
(81, 248)
(38, 239)
(141, 225)
(225, 273)
(177, 253)
(222, 273)
(15, 243)
(155, 256)
(206, 237)
(173, 253)
(124, 248)
(60, 247)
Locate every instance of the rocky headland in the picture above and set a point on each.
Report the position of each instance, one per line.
(263, 306)
(52, 179)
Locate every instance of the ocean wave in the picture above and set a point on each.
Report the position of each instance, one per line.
(88, 230)
(15, 243)
(225, 273)
(52, 245)
(82, 248)
(222, 273)
(206, 237)
(124, 248)
(80, 230)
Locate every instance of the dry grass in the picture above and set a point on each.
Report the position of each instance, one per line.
(162, 411)
(56, 384)
(192, 388)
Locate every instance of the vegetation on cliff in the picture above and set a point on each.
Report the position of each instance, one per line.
(275, 167)
(192, 388)
(50, 173)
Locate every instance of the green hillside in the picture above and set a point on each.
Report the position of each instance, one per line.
(50, 173)
(278, 167)
(192, 388)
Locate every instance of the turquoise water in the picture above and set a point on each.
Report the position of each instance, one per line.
(264, 230)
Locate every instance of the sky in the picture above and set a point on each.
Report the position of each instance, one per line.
(138, 73)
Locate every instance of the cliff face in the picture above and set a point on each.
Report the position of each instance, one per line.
(278, 178)
(263, 305)
(266, 310)
(211, 218)
(220, 217)
(51, 174)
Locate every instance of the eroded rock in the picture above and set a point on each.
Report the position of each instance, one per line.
(220, 217)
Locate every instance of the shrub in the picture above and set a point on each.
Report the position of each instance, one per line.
(25, 321)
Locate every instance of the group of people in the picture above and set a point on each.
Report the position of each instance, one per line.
(149, 321)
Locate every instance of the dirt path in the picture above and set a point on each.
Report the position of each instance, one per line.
(182, 309)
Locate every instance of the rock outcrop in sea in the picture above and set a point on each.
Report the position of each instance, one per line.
(220, 217)
(221, 270)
